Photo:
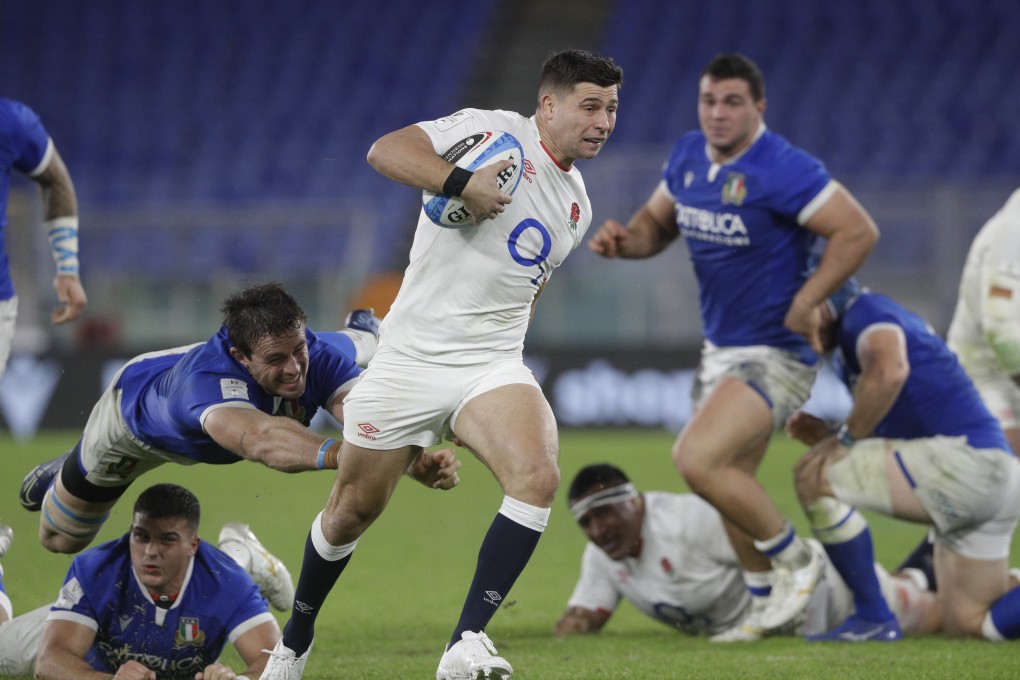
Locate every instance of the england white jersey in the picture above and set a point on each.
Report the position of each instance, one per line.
(467, 293)
(687, 574)
(985, 331)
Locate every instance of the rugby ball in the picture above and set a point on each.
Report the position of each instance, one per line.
(471, 153)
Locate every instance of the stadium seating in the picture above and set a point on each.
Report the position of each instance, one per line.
(253, 102)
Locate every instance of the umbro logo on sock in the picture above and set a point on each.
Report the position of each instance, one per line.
(492, 597)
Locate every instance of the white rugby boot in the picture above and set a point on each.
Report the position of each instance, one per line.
(748, 627)
(791, 590)
(473, 657)
(266, 569)
(283, 663)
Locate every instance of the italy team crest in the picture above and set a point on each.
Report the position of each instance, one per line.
(188, 632)
(735, 190)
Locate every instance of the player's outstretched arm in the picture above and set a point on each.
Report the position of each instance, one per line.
(62, 651)
(580, 621)
(279, 443)
(436, 469)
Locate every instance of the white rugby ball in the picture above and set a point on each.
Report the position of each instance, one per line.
(471, 153)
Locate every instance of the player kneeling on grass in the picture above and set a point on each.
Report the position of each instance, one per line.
(668, 555)
(156, 603)
(249, 392)
(918, 444)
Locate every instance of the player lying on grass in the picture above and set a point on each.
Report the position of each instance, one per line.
(249, 392)
(669, 556)
(156, 603)
(920, 445)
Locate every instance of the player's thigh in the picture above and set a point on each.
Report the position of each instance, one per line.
(741, 395)
(967, 589)
(510, 427)
(731, 427)
(365, 481)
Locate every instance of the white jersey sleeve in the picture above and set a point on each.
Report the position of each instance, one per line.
(985, 330)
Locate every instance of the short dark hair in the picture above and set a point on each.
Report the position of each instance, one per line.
(169, 501)
(599, 473)
(563, 70)
(735, 65)
(258, 311)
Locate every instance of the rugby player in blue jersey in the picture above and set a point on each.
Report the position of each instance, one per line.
(25, 146)
(750, 207)
(918, 444)
(249, 392)
(157, 603)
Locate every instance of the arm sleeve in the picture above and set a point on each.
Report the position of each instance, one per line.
(595, 589)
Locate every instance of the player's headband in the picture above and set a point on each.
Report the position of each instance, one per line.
(614, 494)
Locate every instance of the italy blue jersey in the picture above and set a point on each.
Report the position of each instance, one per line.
(742, 223)
(166, 395)
(217, 603)
(23, 147)
(938, 397)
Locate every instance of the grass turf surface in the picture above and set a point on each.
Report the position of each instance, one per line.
(394, 608)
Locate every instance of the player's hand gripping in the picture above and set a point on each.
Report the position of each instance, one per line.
(436, 469)
(609, 240)
(72, 298)
(216, 671)
(482, 196)
(132, 670)
(806, 428)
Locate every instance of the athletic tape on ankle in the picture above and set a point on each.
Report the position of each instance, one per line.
(614, 494)
(834, 521)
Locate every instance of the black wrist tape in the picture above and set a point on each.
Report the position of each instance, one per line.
(456, 182)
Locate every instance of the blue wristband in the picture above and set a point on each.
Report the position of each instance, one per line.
(322, 452)
(844, 437)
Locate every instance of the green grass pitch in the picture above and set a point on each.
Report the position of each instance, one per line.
(395, 606)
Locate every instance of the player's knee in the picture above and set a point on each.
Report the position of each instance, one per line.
(695, 469)
(66, 530)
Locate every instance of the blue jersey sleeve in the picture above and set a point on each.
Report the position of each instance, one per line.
(796, 178)
(24, 139)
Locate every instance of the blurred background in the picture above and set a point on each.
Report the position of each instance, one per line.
(216, 143)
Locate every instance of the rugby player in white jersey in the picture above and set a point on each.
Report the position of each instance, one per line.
(752, 209)
(449, 361)
(668, 555)
(985, 331)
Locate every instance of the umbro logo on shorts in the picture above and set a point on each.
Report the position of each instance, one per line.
(368, 430)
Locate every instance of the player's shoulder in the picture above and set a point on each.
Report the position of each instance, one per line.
(16, 115)
(213, 565)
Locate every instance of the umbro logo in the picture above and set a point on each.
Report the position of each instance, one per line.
(493, 598)
(303, 607)
(368, 430)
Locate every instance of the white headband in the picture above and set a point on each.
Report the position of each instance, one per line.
(614, 494)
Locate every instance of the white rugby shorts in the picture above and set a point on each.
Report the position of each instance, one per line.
(110, 452)
(402, 401)
(972, 495)
(782, 379)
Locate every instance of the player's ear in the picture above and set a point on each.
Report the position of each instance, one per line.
(238, 356)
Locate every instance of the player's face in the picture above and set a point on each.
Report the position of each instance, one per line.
(728, 115)
(279, 363)
(578, 122)
(615, 528)
(160, 551)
